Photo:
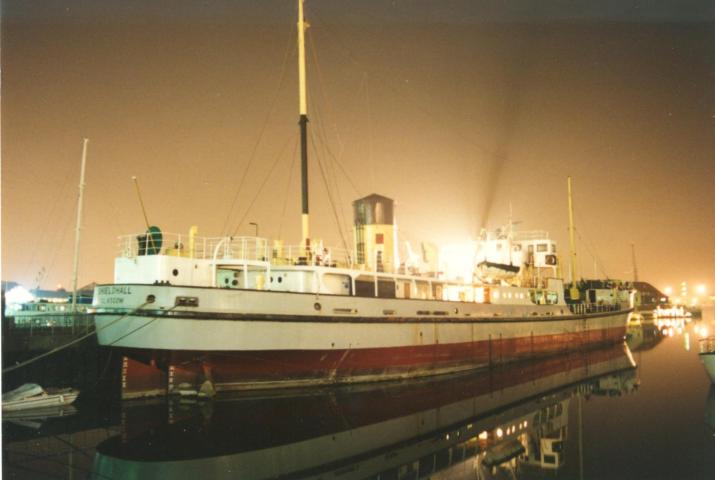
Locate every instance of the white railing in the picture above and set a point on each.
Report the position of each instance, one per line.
(707, 345)
(171, 244)
(235, 248)
(325, 256)
(531, 235)
(584, 308)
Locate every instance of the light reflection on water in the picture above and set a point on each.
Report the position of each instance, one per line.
(588, 415)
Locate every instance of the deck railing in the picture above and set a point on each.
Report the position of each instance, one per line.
(235, 248)
(531, 235)
(584, 308)
(707, 345)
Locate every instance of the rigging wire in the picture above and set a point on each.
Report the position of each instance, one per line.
(327, 170)
(591, 250)
(287, 189)
(330, 197)
(321, 83)
(337, 158)
(385, 82)
(59, 245)
(261, 133)
(265, 181)
(116, 214)
(332, 194)
(370, 156)
(596, 259)
(77, 340)
(56, 251)
(331, 166)
(331, 201)
(47, 222)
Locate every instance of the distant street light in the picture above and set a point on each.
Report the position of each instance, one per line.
(255, 225)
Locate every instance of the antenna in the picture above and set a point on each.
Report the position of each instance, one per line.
(151, 232)
(141, 202)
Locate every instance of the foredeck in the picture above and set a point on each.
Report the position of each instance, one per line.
(243, 248)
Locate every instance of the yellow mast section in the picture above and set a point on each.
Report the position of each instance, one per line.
(301, 59)
(572, 241)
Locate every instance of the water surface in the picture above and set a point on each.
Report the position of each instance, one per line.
(588, 415)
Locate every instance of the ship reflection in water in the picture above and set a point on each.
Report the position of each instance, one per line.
(505, 420)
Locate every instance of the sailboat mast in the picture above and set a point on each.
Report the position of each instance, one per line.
(635, 267)
(78, 226)
(572, 241)
(303, 127)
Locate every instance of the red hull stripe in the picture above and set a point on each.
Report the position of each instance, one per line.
(180, 314)
(255, 367)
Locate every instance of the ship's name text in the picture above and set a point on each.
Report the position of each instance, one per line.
(115, 290)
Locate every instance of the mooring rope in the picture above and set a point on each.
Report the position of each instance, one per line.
(73, 342)
(138, 328)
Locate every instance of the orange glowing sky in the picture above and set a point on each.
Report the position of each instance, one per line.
(455, 109)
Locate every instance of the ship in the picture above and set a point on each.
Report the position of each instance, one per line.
(48, 308)
(194, 315)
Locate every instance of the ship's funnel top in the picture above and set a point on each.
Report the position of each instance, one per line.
(374, 210)
(375, 232)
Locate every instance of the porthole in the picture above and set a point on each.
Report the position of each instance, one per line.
(175, 272)
(234, 283)
(317, 306)
(150, 298)
(280, 279)
(225, 280)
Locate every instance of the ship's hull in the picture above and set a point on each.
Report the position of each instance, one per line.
(265, 343)
(708, 360)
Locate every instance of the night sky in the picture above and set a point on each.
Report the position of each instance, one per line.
(456, 109)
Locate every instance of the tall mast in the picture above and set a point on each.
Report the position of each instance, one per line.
(78, 226)
(635, 267)
(303, 127)
(572, 241)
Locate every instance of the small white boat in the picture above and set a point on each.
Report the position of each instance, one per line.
(31, 395)
(707, 355)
